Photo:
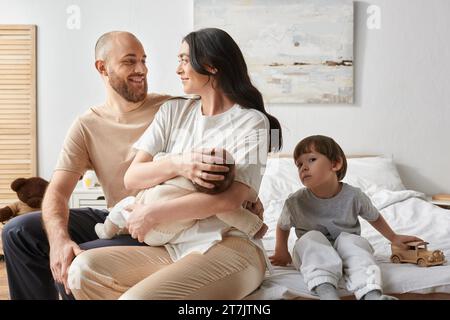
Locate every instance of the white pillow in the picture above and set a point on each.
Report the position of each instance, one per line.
(281, 177)
(373, 173)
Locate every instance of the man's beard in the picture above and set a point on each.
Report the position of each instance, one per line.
(125, 91)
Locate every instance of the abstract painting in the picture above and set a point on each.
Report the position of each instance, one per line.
(297, 51)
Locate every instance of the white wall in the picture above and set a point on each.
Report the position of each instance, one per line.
(68, 83)
(402, 77)
(402, 71)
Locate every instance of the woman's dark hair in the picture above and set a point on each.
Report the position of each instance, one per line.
(326, 146)
(215, 48)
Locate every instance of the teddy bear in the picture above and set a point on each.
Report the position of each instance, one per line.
(30, 192)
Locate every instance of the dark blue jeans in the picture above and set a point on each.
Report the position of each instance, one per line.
(26, 251)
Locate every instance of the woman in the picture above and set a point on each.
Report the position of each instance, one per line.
(209, 261)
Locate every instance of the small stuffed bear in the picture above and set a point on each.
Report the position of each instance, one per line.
(30, 193)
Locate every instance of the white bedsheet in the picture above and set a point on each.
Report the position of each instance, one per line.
(407, 213)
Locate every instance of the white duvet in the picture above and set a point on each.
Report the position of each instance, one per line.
(407, 212)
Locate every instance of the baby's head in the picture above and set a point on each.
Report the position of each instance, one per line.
(222, 185)
(318, 159)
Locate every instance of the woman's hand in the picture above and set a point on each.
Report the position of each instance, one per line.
(193, 166)
(400, 240)
(261, 232)
(256, 208)
(140, 221)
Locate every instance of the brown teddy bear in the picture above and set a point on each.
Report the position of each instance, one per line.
(30, 193)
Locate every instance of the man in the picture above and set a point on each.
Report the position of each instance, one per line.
(101, 139)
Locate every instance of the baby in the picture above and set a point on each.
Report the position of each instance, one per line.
(161, 234)
(325, 218)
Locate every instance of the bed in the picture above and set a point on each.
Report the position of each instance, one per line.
(406, 211)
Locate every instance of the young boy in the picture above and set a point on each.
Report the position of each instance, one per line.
(325, 218)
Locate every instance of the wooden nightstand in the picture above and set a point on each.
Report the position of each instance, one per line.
(92, 198)
(441, 200)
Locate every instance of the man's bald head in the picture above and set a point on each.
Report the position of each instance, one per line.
(121, 60)
(105, 42)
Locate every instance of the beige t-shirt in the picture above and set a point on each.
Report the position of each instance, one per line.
(102, 139)
(180, 126)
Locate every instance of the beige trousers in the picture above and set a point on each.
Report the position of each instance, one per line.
(231, 269)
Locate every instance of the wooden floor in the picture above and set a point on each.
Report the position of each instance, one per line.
(4, 293)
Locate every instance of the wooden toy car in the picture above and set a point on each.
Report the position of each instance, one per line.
(417, 253)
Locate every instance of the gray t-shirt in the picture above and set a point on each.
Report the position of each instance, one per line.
(306, 212)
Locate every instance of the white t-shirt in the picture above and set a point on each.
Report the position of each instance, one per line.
(180, 126)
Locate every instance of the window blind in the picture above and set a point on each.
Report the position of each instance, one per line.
(17, 106)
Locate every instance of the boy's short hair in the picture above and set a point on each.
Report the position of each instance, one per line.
(326, 146)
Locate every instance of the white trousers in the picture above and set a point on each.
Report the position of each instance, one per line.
(351, 257)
